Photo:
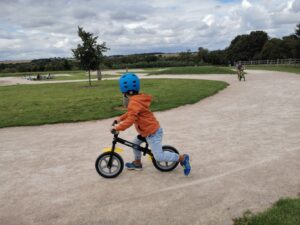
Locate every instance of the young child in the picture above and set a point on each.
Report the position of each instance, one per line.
(139, 114)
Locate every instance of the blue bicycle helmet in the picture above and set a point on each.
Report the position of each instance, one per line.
(129, 83)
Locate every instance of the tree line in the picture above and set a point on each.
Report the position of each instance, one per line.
(254, 46)
(39, 65)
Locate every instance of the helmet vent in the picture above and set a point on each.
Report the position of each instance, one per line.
(129, 83)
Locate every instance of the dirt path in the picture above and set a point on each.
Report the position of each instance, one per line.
(245, 148)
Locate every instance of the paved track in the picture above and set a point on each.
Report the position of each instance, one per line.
(245, 148)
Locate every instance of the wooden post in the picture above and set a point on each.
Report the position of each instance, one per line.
(99, 75)
(90, 78)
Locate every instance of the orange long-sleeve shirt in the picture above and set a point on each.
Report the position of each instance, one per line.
(139, 114)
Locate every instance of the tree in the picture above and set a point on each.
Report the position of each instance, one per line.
(89, 53)
(217, 57)
(297, 30)
(202, 55)
(257, 40)
(186, 56)
(247, 46)
(297, 33)
(238, 49)
(274, 49)
(292, 45)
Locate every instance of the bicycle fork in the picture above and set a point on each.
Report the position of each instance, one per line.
(109, 164)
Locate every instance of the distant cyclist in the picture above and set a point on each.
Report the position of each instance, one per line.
(240, 71)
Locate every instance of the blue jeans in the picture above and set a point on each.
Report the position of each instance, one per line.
(154, 141)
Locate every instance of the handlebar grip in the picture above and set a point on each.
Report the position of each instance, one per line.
(114, 131)
(115, 122)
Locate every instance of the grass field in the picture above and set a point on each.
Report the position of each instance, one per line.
(196, 70)
(283, 212)
(70, 102)
(289, 69)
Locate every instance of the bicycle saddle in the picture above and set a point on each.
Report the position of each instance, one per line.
(140, 137)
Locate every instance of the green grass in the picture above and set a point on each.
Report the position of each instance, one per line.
(70, 102)
(196, 70)
(282, 68)
(284, 212)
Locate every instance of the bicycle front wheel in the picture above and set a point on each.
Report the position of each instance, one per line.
(102, 165)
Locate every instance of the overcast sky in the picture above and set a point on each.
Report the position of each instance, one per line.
(31, 29)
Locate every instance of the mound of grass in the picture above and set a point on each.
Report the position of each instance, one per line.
(282, 68)
(70, 102)
(74, 75)
(284, 212)
(196, 70)
(21, 74)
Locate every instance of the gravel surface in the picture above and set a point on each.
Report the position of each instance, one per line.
(244, 143)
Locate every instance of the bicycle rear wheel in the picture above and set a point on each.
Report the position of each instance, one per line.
(164, 166)
(243, 76)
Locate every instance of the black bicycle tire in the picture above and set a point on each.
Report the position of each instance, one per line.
(169, 169)
(114, 155)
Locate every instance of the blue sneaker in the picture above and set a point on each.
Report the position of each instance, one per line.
(186, 164)
(133, 166)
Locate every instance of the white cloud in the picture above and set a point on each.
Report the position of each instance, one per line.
(296, 6)
(61, 43)
(289, 6)
(209, 19)
(246, 4)
(35, 29)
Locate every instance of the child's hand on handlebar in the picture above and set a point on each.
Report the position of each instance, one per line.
(113, 129)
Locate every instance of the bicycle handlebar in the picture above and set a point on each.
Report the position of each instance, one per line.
(113, 131)
(115, 122)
